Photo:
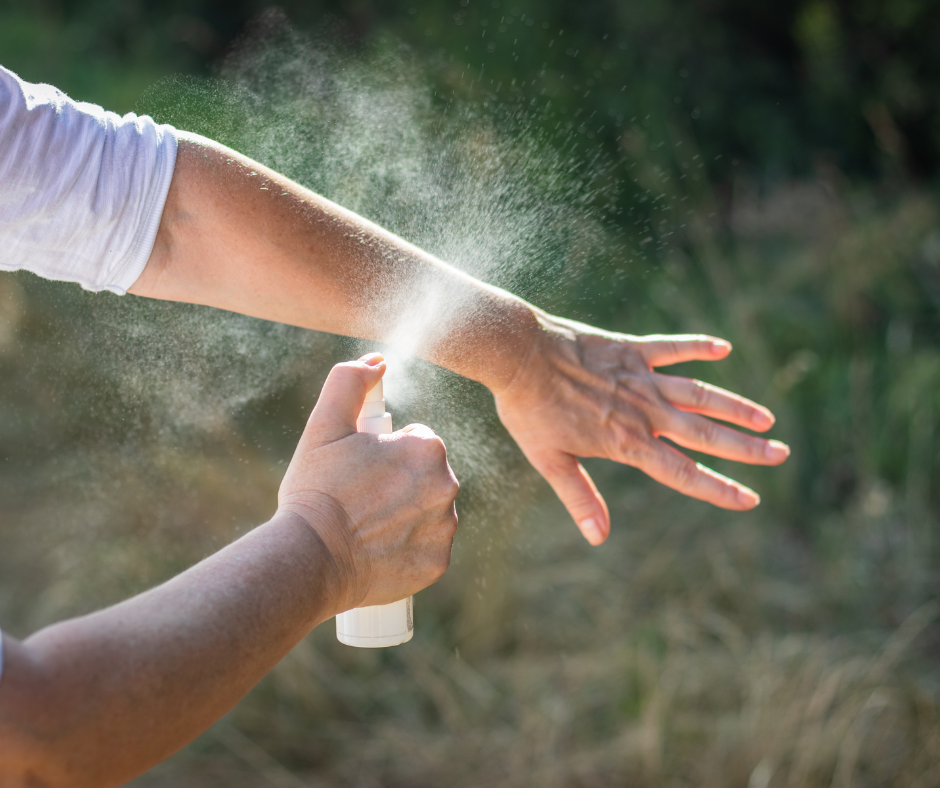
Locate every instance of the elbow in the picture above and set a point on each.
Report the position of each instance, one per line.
(30, 759)
(25, 771)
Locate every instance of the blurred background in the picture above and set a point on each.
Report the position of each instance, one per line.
(764, 172)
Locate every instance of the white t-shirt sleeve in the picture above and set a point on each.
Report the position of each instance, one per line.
(82, 190)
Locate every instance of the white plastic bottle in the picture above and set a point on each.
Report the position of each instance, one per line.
(378, 625)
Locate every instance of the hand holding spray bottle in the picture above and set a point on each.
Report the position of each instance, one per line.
(376, 626)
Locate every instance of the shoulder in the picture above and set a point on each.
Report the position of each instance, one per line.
(16, 93)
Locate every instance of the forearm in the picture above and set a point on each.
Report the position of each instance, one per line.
(238, 236)
(99, 699)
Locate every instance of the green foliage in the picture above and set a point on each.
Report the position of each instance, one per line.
(775, 85)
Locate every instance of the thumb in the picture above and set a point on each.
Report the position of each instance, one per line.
(577, 492)
(344, 391)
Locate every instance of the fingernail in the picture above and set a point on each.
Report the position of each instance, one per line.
(591, 530)
(776, 451)
(721, 346)
(764, 419)
(748, 498)
(372, 359)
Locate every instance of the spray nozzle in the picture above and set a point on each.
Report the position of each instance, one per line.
(372, 417)
(376, 393)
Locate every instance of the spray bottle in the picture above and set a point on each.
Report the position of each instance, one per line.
(378, 625)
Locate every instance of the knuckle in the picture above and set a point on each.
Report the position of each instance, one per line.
(642, 398)
(418, 431)
(438, 447)
(646, 451)
(708, 431)
(444, 492)
(434, 452)
(686, 473)
(422, 445)
(554, 468)
(649, 391)
(344, 369)
(699, 394)
(754, 449)
(429, 441)
(632, 444)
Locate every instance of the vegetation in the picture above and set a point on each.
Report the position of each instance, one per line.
(765, 174)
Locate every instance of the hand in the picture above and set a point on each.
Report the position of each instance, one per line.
(383, 505)
(583, 392)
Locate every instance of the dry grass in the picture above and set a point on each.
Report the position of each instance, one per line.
(642, 666)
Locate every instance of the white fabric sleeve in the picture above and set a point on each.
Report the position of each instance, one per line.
(82, 190)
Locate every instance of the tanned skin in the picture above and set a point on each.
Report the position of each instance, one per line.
(239, 236)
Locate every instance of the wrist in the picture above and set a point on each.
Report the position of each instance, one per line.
(332, 554)
(505, 332)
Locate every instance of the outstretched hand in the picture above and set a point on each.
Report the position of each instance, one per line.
(583, 392)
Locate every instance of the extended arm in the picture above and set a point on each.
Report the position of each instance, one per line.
(96, 700)
(237, 235)
(241, 237)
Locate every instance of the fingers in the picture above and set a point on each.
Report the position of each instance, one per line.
(661, 350)
(577, 492)
(421, 430)
(334, 416)
(434, 444)
(435, 448)
(698, 397)
(672, 468)
(699, 434)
